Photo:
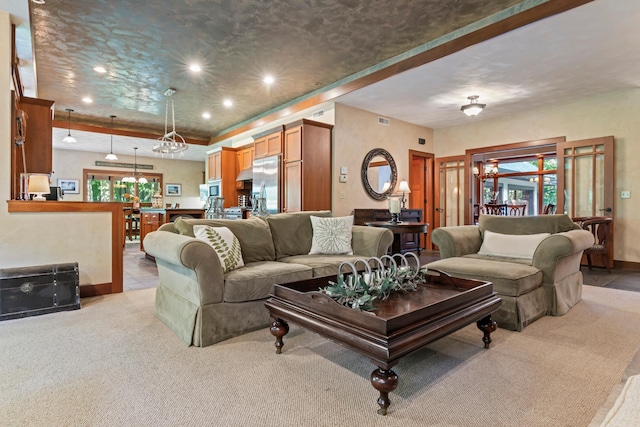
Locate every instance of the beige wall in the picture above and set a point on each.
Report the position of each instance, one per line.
(613, 114)
(29, 239)
(68, 164)
(355, 133)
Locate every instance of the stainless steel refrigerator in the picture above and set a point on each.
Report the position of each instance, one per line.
(266, 178)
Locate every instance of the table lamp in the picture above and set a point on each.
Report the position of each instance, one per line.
(404, 188)
(39, 185)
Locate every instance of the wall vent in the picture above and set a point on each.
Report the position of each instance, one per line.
(383, 121)
(317, 114)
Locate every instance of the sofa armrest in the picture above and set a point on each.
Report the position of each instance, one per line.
(188, 266)
(559, 255)
(370, 241)
(457, 240)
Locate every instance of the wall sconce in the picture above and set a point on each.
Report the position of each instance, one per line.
(404, 188)
(473, 108)
(39, 185)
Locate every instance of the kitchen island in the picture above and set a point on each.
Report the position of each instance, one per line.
(152, 218)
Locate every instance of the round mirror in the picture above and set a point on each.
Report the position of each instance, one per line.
(379, 174)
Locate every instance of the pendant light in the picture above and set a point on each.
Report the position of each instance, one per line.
(111, 156)
(69, 139)
(134, 177)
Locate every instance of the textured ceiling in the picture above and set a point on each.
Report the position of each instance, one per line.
(146, 47)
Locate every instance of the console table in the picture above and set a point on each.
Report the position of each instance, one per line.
(403, 241)
(401, 229)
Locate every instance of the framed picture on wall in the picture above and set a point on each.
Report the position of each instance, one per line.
(173, 190)
(69, 186)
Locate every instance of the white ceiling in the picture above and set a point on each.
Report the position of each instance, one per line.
(590, 50)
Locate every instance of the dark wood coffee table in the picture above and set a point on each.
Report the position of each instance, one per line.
(403, 323)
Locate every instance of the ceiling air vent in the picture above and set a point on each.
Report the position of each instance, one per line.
(383, 121)
(317, 114)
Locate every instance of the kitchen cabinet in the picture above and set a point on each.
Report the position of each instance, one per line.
(245, 158)
(149, 221)
(307, 166)
(269, 144)
(152, 218)
(38, 148)
(222, 165)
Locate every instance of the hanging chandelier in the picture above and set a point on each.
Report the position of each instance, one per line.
(135, 178)
(171, 142)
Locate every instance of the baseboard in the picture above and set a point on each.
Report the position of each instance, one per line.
(626, 265)
(95, 290)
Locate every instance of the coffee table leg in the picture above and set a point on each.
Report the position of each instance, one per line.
(279, 329)
(487, 326)
(385, 381)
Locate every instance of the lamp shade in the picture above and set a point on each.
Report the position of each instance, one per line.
(404, 187)
(473, 108)
(39, 185)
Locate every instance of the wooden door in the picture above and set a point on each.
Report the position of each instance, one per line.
(421, 185)
(449, 187)
(586, 181)
(292, 187)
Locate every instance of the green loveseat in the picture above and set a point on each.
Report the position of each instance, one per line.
(204, 306)
(548, 283)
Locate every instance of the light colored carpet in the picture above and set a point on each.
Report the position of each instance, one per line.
(113, 363)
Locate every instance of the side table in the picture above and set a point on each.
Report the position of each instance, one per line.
(399, 229)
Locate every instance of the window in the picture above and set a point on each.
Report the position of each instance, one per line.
(107, 186)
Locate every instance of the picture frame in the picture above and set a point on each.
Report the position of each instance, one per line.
(173, 190)
(69, 186)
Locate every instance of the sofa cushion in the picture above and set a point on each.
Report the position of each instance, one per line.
(508, 278)
(255, 280)
(292, 232)
(224, 243)
(253, 234)
(322, 265)
(331, 236)
(510, 245)
(525, 224)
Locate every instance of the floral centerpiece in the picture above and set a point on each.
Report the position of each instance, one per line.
(360, 289)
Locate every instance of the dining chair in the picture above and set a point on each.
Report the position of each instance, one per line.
(127, 216)
(600, 228)
(517, 210)
(549, 209)
(496, 209)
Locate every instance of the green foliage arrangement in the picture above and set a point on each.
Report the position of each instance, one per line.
(360, 291)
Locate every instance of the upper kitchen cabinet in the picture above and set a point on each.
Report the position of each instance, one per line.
(36, 125)
(222, 165)
(307, 166)
(245, 158)
(268, 144)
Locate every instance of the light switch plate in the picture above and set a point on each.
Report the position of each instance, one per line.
(625, 194)
(344, 170)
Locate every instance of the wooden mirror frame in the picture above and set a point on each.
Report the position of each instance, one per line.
(365, 179)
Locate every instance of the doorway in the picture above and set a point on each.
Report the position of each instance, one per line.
(421, 186)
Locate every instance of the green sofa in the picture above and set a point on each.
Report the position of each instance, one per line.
(204, 306)
(549, 283)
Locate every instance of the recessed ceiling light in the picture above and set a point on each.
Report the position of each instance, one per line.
(87, 100)
(195, 67)
(100, 69)
(268, 80)
(227, 103)
(206, 115)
